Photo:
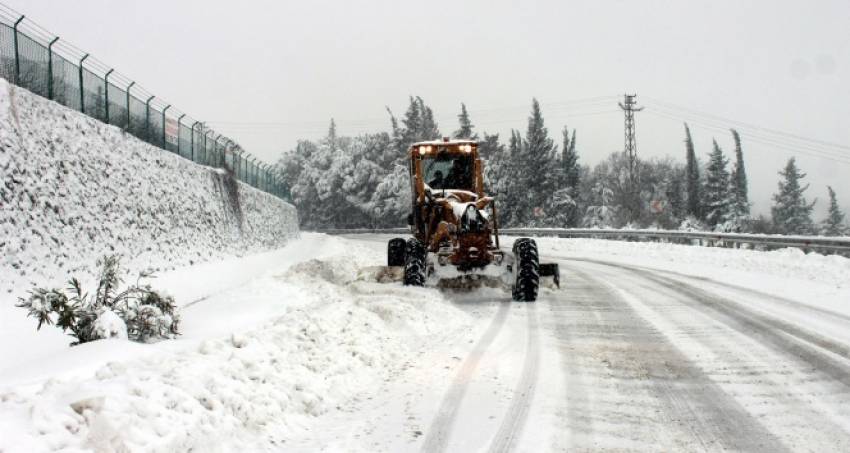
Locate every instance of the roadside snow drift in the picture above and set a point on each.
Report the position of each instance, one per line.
(327, 335)
(74, 189)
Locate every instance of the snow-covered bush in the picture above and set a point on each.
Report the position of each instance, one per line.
(137, 312)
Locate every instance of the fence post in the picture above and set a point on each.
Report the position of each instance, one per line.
(17, 57)
(206, 155)
(106, 94)
(192, 141)
(82, 91)
(216, 159)
(50, 68)
(148, 132)
(179, 120)
(128, 103)
(165, 143)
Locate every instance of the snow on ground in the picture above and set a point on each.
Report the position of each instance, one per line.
(74, 189)
(819, 280)
(258, 361)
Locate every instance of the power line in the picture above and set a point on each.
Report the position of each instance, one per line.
(768, 139)
(672, 106)
(793, 147)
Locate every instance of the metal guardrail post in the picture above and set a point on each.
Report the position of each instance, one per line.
(128, 103)
(17, 52)
(50, 68)
(164, 142)
(179, 120)
(106, 94)
(82, 90)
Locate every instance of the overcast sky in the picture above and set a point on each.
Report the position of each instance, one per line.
(270, 72)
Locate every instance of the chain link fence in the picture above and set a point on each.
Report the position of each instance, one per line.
(33, 58)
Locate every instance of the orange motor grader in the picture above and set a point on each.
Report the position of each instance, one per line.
(455, 227)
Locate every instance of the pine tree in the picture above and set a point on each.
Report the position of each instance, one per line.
(511, 182)
(741, 207)
(717, 201)
(834, 224)
(536, 171)
(465, 131)
(792, 214)
(692, 177)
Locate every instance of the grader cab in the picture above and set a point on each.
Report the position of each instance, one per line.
(455, 227)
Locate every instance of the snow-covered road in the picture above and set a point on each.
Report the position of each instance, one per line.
(646, 347)
(624, 356)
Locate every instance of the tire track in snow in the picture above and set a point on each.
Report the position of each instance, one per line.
(437, 437)
(761, 294)
(711, 417)
(782, 336)
(517, 413)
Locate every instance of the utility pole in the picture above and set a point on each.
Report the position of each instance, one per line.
(629, 108)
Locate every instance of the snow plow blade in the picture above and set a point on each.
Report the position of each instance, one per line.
(551, 270)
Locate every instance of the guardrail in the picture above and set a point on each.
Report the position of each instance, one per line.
(819, 244)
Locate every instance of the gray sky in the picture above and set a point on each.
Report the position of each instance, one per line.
(776, 65)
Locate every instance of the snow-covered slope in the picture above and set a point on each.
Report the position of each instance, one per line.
(74, 189)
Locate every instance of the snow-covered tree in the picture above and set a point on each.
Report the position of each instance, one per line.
(601, 214)
(567, 201)
(792, 214)
(692, 176)
(740, 219)
(717, 199)
(833, 224)
(465, 131)
(536, 170)
(739, 179)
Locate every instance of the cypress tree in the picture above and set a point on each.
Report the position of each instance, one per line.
(834, 225)
(716, 197)
(428, 127)
(792, 214)
(466, 126)
(692, 177)
(569, 161)
(739, 180)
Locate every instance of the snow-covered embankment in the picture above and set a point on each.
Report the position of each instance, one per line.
(74, 189)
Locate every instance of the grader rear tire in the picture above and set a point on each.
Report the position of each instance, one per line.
(527, 270)
(414, 263)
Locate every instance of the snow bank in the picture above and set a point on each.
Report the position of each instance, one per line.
(334, 338)
(809, 278)
(74, 189)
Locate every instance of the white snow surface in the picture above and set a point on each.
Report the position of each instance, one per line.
(299, 349)
(74, 189)
(811, 278)
(257, 362)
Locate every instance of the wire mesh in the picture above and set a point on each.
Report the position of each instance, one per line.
(117, 105)
(32, 65)
(138, 119)
(185, 137)
(7, 52)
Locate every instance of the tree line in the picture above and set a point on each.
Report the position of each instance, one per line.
(539, 181)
